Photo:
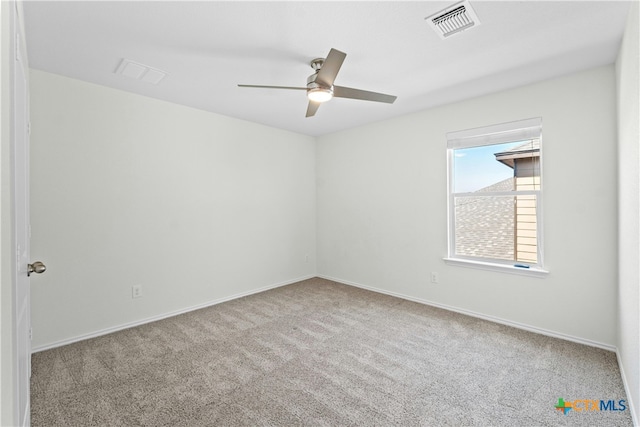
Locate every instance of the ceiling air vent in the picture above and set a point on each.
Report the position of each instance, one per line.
(140, 72)
(453, 19)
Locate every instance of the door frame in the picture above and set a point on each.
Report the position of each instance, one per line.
(11, 18)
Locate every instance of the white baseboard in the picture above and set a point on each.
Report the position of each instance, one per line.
(490, 318)
(494, 319)
(630, 405)
(164, 315)
(346, 282)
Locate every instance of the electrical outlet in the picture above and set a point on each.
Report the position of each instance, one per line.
(435, 278)
(136, 291)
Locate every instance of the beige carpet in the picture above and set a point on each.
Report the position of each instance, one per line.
(319, 353)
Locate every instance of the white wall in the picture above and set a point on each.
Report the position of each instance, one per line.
(382, 217)
(628, 72)
(194, 206)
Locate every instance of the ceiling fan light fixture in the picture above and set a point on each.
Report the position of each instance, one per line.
(320, 94)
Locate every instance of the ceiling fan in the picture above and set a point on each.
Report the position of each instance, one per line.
(320, 87)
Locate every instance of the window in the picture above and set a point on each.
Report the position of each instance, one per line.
(495, 192)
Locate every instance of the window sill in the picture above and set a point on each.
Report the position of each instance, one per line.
(502, 268)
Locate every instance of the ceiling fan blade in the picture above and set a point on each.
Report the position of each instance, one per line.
(274, 87)
(330, 68)
(349, 92)
(312, 108)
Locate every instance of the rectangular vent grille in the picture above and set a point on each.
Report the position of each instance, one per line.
(453, 19)
(141, 72)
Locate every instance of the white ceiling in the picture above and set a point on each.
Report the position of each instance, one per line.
(209, 47)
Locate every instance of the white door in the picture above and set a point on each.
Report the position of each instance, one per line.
(22, 292)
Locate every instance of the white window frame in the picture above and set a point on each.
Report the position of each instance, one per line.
(515, 131)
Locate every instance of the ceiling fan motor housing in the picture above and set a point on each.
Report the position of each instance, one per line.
(317, 92)
(311, 83)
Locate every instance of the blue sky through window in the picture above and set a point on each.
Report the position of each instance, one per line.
(476, 167)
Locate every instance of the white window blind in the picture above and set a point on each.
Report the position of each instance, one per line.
(520, 130)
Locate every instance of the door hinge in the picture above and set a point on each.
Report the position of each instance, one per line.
(18, 54)
(30, 334)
